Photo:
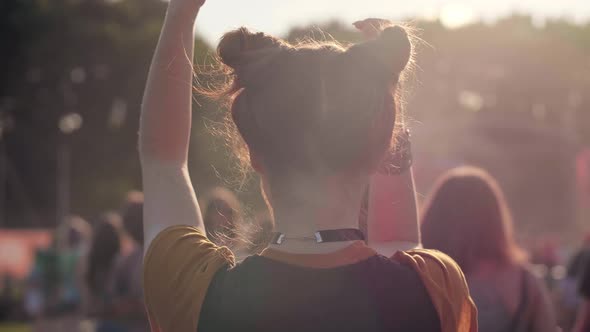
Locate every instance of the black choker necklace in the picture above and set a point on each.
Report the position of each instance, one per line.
(330, 235)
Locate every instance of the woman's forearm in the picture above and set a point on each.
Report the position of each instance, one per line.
(166, 108)
(393, 218)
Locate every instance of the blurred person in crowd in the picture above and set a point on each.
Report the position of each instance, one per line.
(546, 259)
(575, 266)
(128, 301)
(8, 298)
(77, 233)
(54, 293)
(36, 292)
(568, 297)
(468, 218)
(583, 320)
(104, 249)
(221, 216)
(317, 120)
(546, 253)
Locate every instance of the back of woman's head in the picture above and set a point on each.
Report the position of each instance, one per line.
(467, 217)
(314, 108)
(104, 247)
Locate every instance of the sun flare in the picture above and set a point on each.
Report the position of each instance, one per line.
(455, 15)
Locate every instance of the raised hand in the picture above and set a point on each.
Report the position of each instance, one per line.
(187, 6)
(194, 3)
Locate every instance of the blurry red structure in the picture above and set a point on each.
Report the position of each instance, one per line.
(583, 177)
(17, 250)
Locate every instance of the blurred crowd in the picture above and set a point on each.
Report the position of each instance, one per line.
(89, 278)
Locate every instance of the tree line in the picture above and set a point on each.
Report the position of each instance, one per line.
(74, 72)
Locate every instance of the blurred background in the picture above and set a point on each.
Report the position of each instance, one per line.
(502, 84)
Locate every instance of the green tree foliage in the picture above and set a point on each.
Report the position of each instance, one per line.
(89, 58)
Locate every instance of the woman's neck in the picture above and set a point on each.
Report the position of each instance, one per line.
(306, 205)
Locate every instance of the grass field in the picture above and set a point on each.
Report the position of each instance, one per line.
(14, 328)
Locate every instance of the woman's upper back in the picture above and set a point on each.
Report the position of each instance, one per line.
(190, 282)
(265, 294)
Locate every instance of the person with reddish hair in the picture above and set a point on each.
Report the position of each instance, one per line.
(467, 217)
(315, 121)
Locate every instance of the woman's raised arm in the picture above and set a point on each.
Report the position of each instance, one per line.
(166, 123)
(392, 213)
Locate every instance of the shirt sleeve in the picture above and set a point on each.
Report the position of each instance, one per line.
(178, 268)
(446, 286)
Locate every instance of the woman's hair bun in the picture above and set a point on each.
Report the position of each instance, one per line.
(239, 46)
(392, 49)
(397, 45)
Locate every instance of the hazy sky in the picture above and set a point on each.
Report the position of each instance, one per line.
(277, 16)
